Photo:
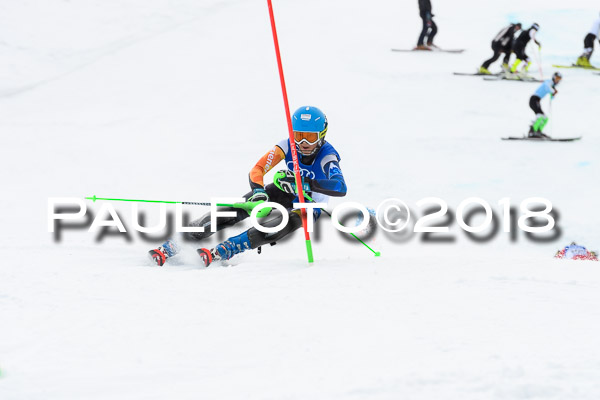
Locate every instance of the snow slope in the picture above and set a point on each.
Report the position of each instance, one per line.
(176, 100)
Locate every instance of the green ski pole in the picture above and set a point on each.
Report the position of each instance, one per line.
(377, 253)
(247, 206)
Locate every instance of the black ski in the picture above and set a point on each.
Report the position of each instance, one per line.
(543, 139)
(455, 51)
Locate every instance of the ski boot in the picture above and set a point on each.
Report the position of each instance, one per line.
(160, 255)
(583, 61)
(505, 67)
(225, 250)
(535, 130)
(208, 256)
(484, 71)
(536, 134)
(523, 75)
(515, 65)
(531, 133)
(422, 47)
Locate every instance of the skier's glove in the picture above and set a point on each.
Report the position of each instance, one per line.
(259, 195)
(285, 180)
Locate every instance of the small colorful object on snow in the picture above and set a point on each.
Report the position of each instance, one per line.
(576, 252)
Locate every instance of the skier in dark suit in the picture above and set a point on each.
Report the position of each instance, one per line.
(519, 46)
(429, 27)
(502, 43)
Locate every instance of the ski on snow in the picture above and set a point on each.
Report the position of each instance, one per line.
(510, 78)
(455, 51)
(577, 67)
(475, 74)
(543, 139)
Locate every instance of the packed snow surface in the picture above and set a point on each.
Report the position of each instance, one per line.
(176, 100)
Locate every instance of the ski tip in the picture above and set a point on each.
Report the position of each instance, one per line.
(205, 256)
(575, 66)
(156, 257)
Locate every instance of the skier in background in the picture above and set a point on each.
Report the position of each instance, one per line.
(429, 27)
(520, 45)
(588, 45)
(321, 178)
(547, 87)
(502, 43)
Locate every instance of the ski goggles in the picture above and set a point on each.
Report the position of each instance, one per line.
(309, 137)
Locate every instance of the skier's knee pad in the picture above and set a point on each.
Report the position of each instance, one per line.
(258, 238)
(206, 223)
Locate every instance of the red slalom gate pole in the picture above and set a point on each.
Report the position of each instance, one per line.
(299, 188)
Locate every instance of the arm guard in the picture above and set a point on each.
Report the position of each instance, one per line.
(264, 165)
(334, 186)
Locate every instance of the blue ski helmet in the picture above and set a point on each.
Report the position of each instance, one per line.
(309, 120)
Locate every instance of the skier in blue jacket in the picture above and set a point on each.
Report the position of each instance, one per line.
(321, 178)
(547, 87)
